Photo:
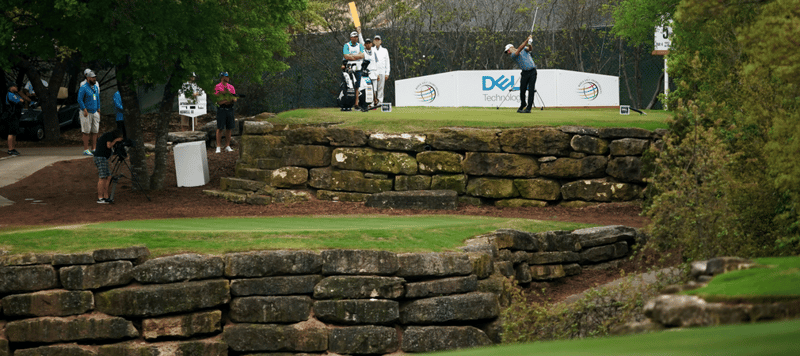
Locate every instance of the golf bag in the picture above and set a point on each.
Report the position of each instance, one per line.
(347, 91)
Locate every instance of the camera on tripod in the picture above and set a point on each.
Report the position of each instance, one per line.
(120, 150)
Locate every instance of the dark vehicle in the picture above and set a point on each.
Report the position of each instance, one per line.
(32, 122)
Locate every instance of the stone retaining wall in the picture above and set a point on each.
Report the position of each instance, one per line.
(119, 302)
(533, 166)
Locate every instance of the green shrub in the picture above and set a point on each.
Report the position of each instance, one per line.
(594, 314)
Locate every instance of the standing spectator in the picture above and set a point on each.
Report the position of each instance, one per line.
(14, 101)
(528, 79)
(89, 103)
(104, 149)
(370, 54)
(120, 114)
(226, 97)
(85, 78)
(354, 54)
(383, 67)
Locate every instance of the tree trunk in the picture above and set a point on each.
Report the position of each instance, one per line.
(162, 130)
(133, 127)
(76, 76)
(47, 97)
(654, 100)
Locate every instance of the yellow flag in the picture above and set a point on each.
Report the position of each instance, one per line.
(354, 13)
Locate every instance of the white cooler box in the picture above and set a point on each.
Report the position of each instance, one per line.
(191, 164)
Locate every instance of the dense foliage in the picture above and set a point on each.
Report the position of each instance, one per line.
(727, 181)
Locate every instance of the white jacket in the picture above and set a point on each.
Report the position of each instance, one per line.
(383, 62)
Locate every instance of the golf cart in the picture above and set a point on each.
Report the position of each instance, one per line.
(31, 125)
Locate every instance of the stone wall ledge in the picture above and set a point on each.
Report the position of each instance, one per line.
(120, 302)
(529, 166)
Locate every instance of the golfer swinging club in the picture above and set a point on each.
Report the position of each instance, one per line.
(528, 81)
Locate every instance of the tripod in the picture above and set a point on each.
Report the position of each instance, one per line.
(535, 92)
(118, 162)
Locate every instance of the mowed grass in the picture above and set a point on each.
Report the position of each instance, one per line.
(777, 279)
(221, 235)
(775, 338)
(418, 119)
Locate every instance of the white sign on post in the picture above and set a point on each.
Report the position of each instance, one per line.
(192, 106)
(662, 39)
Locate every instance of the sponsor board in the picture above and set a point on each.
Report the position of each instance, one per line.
(493, 88)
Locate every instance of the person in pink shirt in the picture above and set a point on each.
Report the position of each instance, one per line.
(225, 93)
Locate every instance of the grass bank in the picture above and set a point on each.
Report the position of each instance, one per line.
(777, 279)
(221, 235)
(777, 338)
(417, 119)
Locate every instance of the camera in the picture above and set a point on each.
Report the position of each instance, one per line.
(120, 148)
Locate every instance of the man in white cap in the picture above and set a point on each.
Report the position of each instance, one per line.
(353, 52)
(85, 73)
(528, 80)
(382, 63)
(89, 103)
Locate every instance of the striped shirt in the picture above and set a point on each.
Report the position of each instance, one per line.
(524, 60)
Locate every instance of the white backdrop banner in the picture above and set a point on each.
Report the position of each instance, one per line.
(493, 88)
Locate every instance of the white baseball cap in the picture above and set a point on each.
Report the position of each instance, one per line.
(85, 72)
(507, 47)
(354, 34)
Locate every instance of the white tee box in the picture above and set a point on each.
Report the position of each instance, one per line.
(191, 164)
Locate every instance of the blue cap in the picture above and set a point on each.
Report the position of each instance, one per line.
(224, 74)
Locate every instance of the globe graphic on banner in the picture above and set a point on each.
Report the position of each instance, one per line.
(588, 90)
(426, 93)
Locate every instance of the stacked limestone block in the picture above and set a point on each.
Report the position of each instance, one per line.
(550, 255)
(355, 302)
(511, 167)
(109, 303)
(115, 302)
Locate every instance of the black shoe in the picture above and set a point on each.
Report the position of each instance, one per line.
(101, 201)
(527, 111)
(13, 152)
(109, 200)
(519, 111)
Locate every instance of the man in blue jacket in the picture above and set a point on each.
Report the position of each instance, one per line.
(14, 101)
(89, 103)
(120, 114)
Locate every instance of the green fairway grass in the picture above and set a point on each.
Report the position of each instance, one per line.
(775, 338)
(417, 119)
(777, 280)
(220, 235)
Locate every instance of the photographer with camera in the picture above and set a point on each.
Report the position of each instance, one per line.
(107, 143)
